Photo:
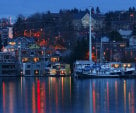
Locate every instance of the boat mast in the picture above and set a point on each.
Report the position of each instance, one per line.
(90, 38)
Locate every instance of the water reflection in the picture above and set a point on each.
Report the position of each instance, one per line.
(94, 109)
(124, 87)
(11, 97)
(132, 109)
(4, 99)
(67, 95)
(33, 99)
(107, 97)
(116, 95)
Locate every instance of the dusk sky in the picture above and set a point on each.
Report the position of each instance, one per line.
(27, 7)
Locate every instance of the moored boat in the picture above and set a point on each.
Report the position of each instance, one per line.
(111, 69)
(58, 69)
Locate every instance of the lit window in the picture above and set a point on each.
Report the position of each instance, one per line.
(129, 65)
(36, 72)
(124, 65)
(54, 59)
(12, 43)
(116, 65)
(36, 59)
(25, 59)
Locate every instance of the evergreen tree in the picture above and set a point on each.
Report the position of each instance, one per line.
(80, 50)
(92, 10)
(19, 26)
(108, 22)
(133, 9)
(130, 10)
(86, 10)
(134, 30)
(97, 10)
(48, 12)
(115, 36)
(0, 43)
(75, 10)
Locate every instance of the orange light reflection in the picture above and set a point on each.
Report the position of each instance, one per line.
(125, 96)
(70, 89)
(116, 95)
(94, 107)
(11, 96)
(3, 87)
(50, 110)
(62, 90)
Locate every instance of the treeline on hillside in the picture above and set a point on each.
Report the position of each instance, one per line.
(128, 16)
(54, 23)
(48, 25)
(121, 15)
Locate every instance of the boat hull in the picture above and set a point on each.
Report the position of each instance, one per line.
(117, 75)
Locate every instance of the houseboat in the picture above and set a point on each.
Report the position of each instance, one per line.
(58, 69)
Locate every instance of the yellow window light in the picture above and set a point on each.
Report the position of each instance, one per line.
(116, 65)
(25, 59)
(129, 65)
(124, 65)
(35, 59)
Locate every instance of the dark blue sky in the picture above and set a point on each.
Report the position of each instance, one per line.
(27, 7)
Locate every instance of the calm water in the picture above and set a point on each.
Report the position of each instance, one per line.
(67, 95)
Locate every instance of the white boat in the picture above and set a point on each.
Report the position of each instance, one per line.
(80, 66)
(128, 68)
(111, 69)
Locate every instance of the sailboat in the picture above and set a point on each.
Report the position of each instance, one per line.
(91, 69)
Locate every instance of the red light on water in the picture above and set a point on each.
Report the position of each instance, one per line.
(38, 96)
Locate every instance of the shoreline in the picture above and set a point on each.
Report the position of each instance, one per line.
(77, 77)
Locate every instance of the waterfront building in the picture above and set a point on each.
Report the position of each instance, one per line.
(30, 57)
(33, 60)
(8, 64)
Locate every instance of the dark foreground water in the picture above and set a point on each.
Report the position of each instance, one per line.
(67, 95)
